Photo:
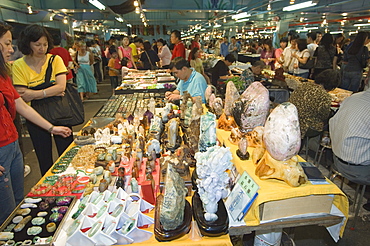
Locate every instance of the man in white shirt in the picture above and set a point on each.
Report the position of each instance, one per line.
(311, 46)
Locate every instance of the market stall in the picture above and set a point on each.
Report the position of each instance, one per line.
(126, 179)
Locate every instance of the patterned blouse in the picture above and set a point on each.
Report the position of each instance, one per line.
(313, 105)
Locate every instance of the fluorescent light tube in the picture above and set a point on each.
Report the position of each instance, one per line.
(217, 25)
(242, 20)
(97, 4)
(240, 16)
(336, 32)
(119, 19)
(299, 6)
(363, 24)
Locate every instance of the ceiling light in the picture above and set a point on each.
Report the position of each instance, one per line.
(137, 10)
(362, 24)
(129, 25)
(241, 20)
(291, 1)
(136, 3)
(240, 16)
(65, 21)
(84, 10)
(336, 32)
(299, 6)
(64, 10)
(119, 19)
(216, 25)
(225, 20)
(97, 4)
(269, 7)
(52, 16)
(344, 14)
(301, 19)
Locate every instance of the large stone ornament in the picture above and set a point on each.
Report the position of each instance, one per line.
(252, 108)
(231, 96)
(212, 179)
(282, 136)
(207, 137)
(172, 208)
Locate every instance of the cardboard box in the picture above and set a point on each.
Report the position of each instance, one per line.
(295, 206)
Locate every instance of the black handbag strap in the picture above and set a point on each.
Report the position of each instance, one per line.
(49, 69)
(47, 78)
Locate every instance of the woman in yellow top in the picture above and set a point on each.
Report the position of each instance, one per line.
(28, 72)
(196, 62)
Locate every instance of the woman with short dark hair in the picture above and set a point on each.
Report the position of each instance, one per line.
(11, 161)
(149, 57)
(28, 75)
(301, 57)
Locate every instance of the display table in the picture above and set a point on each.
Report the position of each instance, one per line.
(274, 190)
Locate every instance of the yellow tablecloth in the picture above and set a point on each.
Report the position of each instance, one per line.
(272, 189)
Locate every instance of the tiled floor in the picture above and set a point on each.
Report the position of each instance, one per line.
(303, 236)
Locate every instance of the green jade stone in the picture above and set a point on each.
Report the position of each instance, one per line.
(76, 224)
(117, 210)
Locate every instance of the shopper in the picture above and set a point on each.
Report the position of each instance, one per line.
(301, 57)
(29, 73)
(225, 47)
(196, 63)
(217, 47)
(286, 57)
(164, 53)
(268, 54)
(311, 45)
(11, 161)
(326, 55)
(126, 51)
(222, 69)
(179, 47)
(136, 46)
(149, 58)
(114, 70)
(234, 47)
(190, 81)
(313, 102)
(195, 42)
(252, 74)
(354, 61)
(96, 51)
(64, 54)
(279, 51)
(86, 82)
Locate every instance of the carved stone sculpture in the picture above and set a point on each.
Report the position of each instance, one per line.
(231, 96)
(289, 171)
(212, 179)
(207, 136)
(226, 122)
(172, 208)
(253, 107)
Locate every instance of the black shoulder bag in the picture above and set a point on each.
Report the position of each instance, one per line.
(152, 67)
(309, 64)
(64, 110)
